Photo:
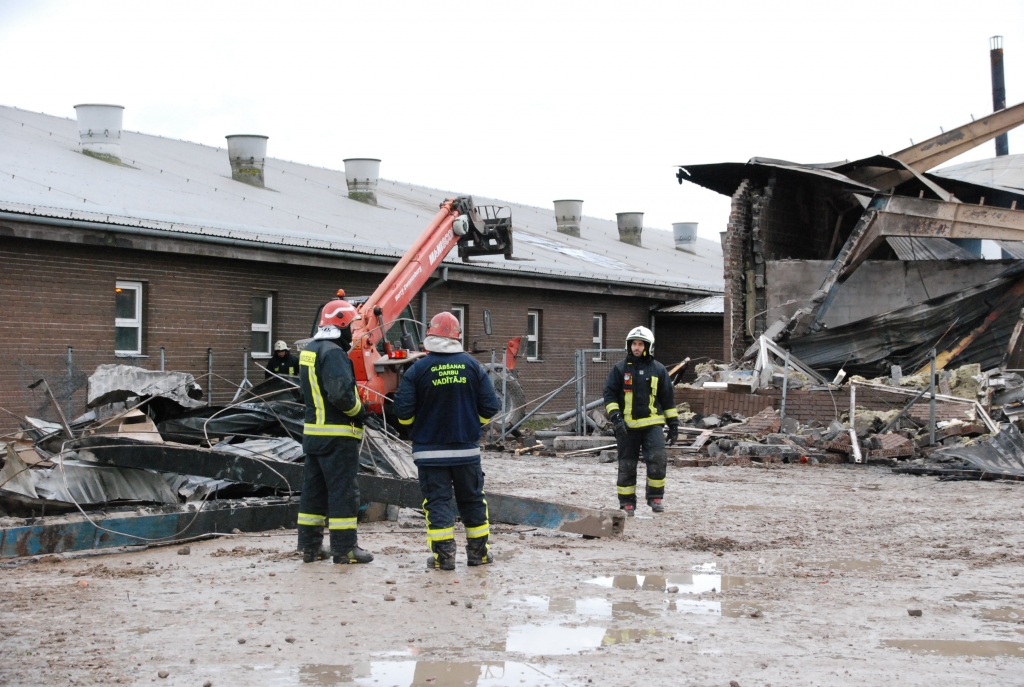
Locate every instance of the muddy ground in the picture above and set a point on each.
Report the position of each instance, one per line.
(797, 575)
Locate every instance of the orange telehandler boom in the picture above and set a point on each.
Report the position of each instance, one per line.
(483, 230)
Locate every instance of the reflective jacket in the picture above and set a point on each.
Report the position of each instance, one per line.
(288, 365)
(446, 397)
(642, 390)
(328, 383)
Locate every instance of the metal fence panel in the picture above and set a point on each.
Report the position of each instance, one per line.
(592, 368)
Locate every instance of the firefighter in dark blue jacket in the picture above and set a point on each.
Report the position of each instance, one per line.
(330, 438)
(446, 397)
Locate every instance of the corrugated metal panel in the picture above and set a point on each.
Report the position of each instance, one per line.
(1014, 249)
(905, 337)
(907, 248)
(186, 188)
(712, 305)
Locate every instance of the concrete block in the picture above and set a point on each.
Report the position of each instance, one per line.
(579, 443)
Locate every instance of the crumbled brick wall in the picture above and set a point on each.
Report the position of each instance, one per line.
(56, 295)
(733, 249)
(805, 405)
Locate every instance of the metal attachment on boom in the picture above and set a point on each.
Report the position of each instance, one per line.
(487, 229)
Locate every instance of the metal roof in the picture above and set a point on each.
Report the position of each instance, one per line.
(184, 188)
(711, 305)
(911, 248)
(1005, 172)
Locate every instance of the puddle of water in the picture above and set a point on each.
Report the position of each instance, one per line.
(972, 597)
(416, 674)
(957, 647)
(592, 606)
(851, 565)
(688, 583)
(552, 640)
(141, 630)
(716, 609)
(1005, 614)
(630, 636)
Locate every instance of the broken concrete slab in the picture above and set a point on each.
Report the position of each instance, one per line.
(574, 443)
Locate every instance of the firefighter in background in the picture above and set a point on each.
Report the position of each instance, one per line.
(445, 398)
(283, 362)
(640, 401)
(330, 438)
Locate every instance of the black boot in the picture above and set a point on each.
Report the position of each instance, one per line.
(478, 551)
(353, 555)
(444, 555)
(311, 544)
(657, 505)
(315, 554)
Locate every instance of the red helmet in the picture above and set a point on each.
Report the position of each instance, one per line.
(335, 316)
(446, 325)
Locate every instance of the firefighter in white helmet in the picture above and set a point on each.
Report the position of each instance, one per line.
(640, 402)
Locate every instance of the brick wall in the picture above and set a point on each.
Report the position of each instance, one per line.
(733, 249)
(57, 295)
(698, 337)
(806, 405)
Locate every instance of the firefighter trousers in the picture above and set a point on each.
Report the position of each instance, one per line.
(651, 441)
(330, 493)
(437, 484)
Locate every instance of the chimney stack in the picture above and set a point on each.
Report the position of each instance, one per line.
(247, 154)
(630, 226)
(361, 174)
(568, 214)
(684, 234)
(998, 89)
(99, 128)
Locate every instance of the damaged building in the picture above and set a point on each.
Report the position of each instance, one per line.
(870, 263)
(123, 247)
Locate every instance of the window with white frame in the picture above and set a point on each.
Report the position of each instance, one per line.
(533, 335)
(460, 314)
(128, 318)
(598, 335)
(262, 325)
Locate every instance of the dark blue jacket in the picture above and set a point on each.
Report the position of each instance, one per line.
(446, 398)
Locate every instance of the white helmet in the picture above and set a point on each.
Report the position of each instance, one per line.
(281, 346)
(641, 334)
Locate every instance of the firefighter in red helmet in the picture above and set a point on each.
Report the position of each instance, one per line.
(445, 398)
(331, 436)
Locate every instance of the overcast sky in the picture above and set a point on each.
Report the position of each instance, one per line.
(526, 101)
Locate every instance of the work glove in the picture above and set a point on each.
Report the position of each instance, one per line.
(618, 424)
(368, 419)
(673, 431)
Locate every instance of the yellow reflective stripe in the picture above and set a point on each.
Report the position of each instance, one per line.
(342, 524)
(612, 406)
(332, 431)
(671, 412)
(311, 519)
(626, 491)
(654, 395)
(483, 420)
(308, 359)
(477, 532)
(440, 535)
(646, 422)
(407, 422)
(629, 406)
(656, 483)
(354, 410)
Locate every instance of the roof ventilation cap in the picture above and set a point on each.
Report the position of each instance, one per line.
(361, 174)
(568, 214)
(684, 234)
(631, 224)
(99, 128)
(247, 154)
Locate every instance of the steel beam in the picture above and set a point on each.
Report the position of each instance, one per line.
(933, 152)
